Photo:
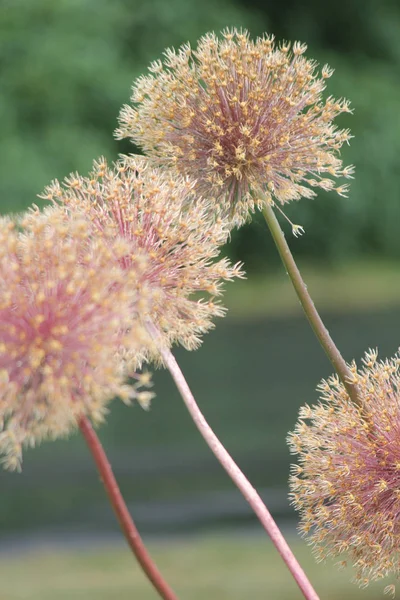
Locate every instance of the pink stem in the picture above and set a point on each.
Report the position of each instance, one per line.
(227, 462)
(127, 525)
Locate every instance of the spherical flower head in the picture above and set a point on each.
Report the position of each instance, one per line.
(64, 317)
(245, 119)
(173, 240)
(347, 483)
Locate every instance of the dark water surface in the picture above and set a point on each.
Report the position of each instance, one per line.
(250, 378)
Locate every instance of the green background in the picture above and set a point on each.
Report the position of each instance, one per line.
(66, 69)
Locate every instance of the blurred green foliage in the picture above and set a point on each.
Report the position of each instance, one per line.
(67, 67)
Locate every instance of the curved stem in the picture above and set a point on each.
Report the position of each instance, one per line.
(126, 523)
(334, 355)
(227, 462)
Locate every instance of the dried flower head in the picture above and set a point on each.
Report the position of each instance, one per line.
(245, 119)
(174, 240)
(64, 314)
(347, 483)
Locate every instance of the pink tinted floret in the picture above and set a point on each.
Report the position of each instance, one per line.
(244, 119)
(64, 319)
(347, 483)
(172, 241)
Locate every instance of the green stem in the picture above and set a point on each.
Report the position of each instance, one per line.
(334, 355)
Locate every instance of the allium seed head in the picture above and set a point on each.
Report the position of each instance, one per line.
(347, 483)
(245, 119)
(64, 315)
(174, 241)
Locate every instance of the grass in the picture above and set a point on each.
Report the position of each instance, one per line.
(209, 568)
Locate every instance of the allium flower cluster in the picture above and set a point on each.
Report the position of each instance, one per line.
(245, 119)
(64, 316)
(347, 483)
(174, 241)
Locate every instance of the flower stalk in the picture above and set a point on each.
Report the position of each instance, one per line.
(317, 325)
(237, 476)
(117, 502)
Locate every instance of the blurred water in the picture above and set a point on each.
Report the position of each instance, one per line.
(249, 378)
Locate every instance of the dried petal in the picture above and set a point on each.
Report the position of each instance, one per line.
(245, 119)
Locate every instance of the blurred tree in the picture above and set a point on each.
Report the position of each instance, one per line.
(361, 40)
(358, 28)
(67, 67)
